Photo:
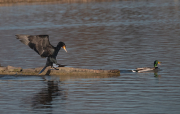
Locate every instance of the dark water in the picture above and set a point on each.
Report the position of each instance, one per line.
(98, 35)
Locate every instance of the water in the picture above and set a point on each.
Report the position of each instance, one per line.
(98, 35)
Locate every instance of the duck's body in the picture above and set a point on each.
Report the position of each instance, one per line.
(146, 69)
(41, 45)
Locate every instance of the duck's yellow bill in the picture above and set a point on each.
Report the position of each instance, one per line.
(159, 62)
(64, 47)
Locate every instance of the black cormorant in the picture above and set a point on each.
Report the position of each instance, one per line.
(41, 45)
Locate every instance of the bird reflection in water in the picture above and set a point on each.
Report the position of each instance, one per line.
(44, 98)
(156, 75)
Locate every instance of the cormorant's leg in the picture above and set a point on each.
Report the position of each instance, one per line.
(43, 69)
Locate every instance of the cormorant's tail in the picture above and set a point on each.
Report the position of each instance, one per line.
(43, 69)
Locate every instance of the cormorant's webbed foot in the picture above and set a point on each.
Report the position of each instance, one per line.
(59, 65)
(55, 68)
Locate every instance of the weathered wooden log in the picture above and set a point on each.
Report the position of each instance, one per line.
(63, 71)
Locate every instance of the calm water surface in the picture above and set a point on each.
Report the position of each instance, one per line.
(98, 35)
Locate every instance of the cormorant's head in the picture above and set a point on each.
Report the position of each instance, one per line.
(62, 44)
(156, 62)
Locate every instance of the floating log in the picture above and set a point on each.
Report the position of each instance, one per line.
(63, 71)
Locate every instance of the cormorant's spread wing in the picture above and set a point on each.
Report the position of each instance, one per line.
(39, 43)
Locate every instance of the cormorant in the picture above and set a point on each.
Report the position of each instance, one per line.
(41, 45)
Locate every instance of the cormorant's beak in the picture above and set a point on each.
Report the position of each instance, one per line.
(64, 47)
(159, 62)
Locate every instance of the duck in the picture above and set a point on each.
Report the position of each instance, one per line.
(41, 45)
(146, 69)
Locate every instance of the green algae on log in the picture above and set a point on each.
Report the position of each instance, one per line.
(63, 71)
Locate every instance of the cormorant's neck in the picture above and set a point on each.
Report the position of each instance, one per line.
(56, 51)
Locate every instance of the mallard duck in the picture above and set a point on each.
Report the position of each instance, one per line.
(146, 69)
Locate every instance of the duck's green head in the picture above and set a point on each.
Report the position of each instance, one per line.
(156, 62)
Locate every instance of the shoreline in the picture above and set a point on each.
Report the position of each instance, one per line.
(42, 2)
